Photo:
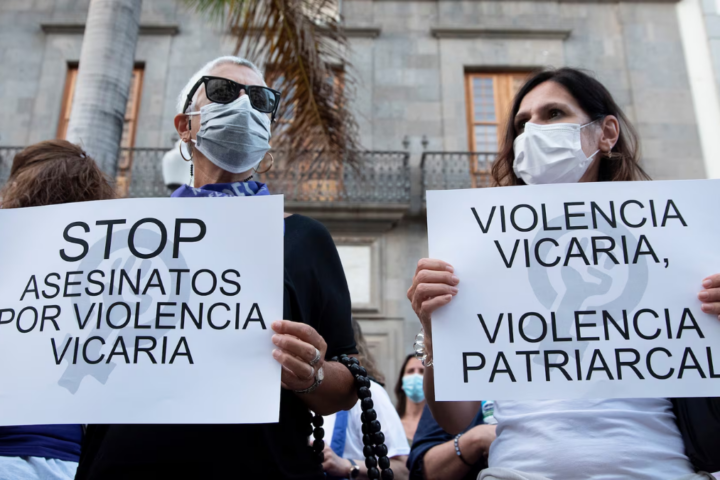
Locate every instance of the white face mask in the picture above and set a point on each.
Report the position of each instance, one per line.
(235, 136)
(550, 154)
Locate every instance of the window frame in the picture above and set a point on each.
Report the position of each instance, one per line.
(503, 94)
(130, 118)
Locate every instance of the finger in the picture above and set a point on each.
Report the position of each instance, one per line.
(429, 306)
(711, 308)
(427, 291)
(297, 367)
(290, 381)
(713, 281)
(302, 331)
(432, 275)
(295, 346)
(290, 378)
(433, 264)
(710, 295)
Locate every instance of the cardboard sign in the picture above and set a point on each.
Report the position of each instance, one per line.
(141, 311)
(577, 291)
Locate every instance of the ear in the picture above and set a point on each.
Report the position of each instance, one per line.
(609, 133)
(183, 127)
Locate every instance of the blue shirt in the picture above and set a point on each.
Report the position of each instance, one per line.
(428, 435)
(61, 442)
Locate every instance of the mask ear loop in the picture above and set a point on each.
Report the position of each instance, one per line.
(598, 150)
(192, 164)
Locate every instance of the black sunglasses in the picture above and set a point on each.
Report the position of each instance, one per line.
(224, 91)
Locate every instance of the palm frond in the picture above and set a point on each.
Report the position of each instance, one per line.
(215, 10)
(303, 46)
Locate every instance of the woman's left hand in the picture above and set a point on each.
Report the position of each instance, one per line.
(710, 297)
(296, 348)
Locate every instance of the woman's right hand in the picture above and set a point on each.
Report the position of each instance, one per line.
(434, 285)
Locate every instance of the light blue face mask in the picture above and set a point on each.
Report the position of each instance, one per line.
(235, 137)
(412, 385)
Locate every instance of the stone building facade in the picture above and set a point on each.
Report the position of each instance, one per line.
(433, 78)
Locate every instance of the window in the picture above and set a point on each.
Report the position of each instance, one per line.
(360, 258)
(357, 264)
(489, 98)
(68, 95)
(129, 127)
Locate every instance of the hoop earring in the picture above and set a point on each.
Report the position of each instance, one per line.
(183, 156)
(272, 162)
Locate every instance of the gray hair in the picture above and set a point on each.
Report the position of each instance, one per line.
(205, 70)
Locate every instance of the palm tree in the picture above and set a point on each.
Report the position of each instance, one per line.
(105, 72)
(301, 43)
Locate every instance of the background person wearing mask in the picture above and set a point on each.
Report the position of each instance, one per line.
(410, 395)
(344, 457)
(47, 173)
(224, 116)
(565, 127)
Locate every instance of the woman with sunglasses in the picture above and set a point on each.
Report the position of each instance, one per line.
(564, 127)
(224, 117)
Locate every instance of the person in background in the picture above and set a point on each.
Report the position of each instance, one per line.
(434, 452)
(47, 173)
(410, 395)
(344, 448)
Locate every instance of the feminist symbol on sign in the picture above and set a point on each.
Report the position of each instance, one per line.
(74, 374)
(570, 289)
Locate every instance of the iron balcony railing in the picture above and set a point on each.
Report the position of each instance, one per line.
(373, 177)
(451, 170)
(146, 172)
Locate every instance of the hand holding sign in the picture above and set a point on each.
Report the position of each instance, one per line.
(434, 285)
(711, 295)
(297, 344)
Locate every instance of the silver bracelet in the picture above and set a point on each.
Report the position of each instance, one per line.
(457, 449)
(420, 351)
(319, 376)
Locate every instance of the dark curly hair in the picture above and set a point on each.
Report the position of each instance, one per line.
(53, 172)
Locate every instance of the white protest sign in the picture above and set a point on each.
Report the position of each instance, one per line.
(577, 291)
(141, 311)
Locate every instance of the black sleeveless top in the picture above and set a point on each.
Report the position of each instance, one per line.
(315, 293)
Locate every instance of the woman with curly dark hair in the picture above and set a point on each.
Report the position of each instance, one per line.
(47, 173)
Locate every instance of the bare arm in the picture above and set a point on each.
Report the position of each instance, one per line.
(435, 285)
(441, 461)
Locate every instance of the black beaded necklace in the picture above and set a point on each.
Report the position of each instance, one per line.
(374, 449)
